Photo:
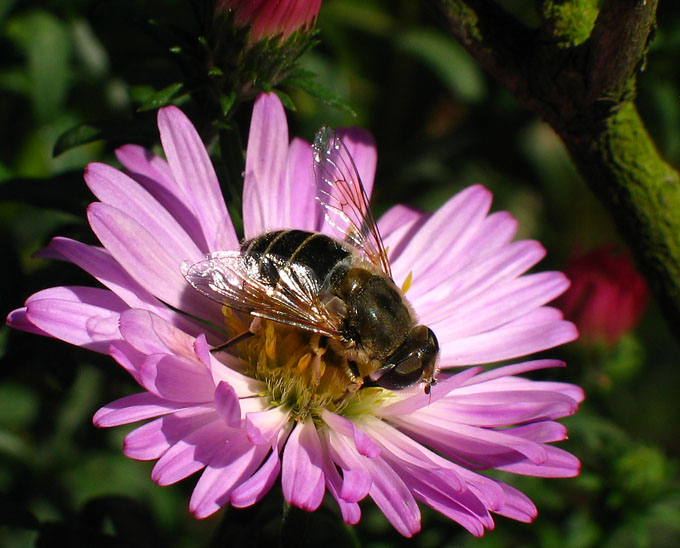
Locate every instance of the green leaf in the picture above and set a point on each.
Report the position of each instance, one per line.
(89, 49)
(306, 81)
(45, 42)
(76, 136)
(18, 406)
(138, 130)
(15, 80)
(227, 102)
(447, 59)
(161, 98)
(5, 8)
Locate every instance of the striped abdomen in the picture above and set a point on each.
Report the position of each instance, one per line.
(314, 250)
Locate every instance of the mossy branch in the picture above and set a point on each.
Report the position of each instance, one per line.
(578, 72)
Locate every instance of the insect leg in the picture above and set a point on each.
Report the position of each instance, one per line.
(319, 349)
(254, 329)
(231, 342)
(352, 371)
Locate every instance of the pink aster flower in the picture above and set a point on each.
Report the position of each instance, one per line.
(245, 418)
(607, 296)
(269, 18)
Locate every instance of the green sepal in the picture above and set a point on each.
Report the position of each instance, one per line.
(286, 100)
(306, 81)
(161, 98)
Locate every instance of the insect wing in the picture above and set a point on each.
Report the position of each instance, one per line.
(267, 286)
(344, 199)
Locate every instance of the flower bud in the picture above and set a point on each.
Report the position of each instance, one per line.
(271, 18)
(607, 296)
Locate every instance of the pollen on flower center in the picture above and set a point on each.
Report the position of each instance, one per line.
(302, 374)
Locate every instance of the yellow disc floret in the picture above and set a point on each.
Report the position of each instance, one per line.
(301, 372)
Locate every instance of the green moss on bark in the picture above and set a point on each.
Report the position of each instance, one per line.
(569, 21)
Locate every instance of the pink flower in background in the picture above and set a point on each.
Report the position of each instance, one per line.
(607, 296)
(269, 18)
(236, 417)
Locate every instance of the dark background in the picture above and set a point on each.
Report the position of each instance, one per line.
(440, 124)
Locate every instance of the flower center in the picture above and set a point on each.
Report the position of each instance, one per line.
(302, 373)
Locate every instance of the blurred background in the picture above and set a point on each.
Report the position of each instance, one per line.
(440, 124)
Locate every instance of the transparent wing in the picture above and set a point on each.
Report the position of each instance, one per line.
(344, 199)
(267, 286)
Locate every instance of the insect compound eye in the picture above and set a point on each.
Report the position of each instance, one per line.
(411, 362)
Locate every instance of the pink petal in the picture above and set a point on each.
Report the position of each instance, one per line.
(196, 177)
(18, 320)
(155, 175)
(514, 339)
(232, 465)
(83, 316)
(411, 453)
(150, 334)
(356, 480)
(445, 232)
(177, 379)
(264, 192)
(146, 442)
(470, 442)
(128, 357)
(302, 478)
(364, 444)
(150, 441)
(148, 169)
(397, 226)
(133, 408)
(227, 406)
(147, 261)
(437, 298)
(264, 426)
(503, 378)
(81, 294)
(541, 432)
(221, 372)
(479, 243)
(517, 505)
(501, 305)
(351, 513)
(299, 208)
(510, 370)
(464, 508)
(497, 409)
(98, 262)
(191, 453)
(419, 398)
(400, 219)
(393, 497)
(361, 147)
(557, 464)
(258, 485)
(116, 189)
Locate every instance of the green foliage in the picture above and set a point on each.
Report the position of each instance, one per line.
(447, 59)
(73, 86)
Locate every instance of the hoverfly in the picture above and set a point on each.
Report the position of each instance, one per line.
(340, 289)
